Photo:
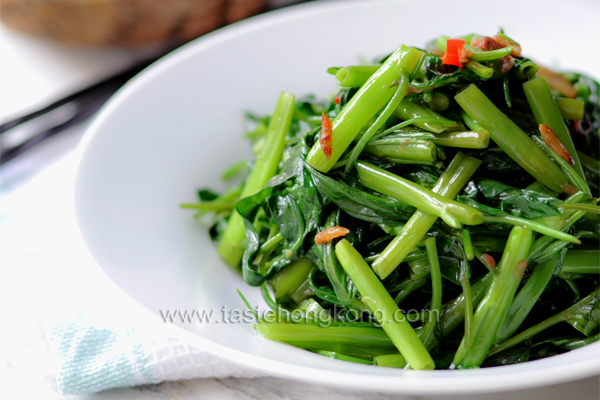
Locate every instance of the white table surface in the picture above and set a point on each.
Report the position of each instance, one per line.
(45, 264)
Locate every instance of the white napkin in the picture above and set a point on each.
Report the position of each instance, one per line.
(99, 337)
(97, 351)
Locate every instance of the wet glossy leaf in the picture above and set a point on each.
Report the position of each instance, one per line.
(586, 318)
(508, 357)
(359, 203)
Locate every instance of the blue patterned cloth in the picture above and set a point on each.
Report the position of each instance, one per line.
(95, 354)
(99, 352)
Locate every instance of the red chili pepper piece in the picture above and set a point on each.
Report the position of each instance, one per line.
(337, 99)
(454, 48)
(326, 139)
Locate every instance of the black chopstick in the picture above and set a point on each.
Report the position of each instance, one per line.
(86, 102)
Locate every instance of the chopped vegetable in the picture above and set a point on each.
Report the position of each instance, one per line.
(379, 301)
(425, 180)
(368, 101)
(231, 245)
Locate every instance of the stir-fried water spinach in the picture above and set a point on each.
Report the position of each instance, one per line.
(438, 212)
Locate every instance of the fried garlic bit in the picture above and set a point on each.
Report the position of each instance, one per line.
(505, 42)
(330, 233)
(555, 144)
(558, 82)
(487, 43)
(520, 270)
(489, 260)
(326, 136)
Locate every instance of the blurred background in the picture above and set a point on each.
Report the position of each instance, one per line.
(62, 59)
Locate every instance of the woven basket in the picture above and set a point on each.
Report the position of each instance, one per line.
(123, 22)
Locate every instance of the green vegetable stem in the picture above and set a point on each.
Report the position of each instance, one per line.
(512, 139)
(453, 213)
(527, 297)
(480, 69)
(390, 360)
(524, 69)
(436, 297)
(406, 149)
(578, 263)
(231, 246)
(570, 108)
(432, 121)
(381, 119)
(367, 102)
(493, 309)
(587, 305)
(546, 111)
(454, 178)
(355, 76)
(491, 54)
(384, 308)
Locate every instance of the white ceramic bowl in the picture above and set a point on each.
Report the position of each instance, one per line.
(177, 125)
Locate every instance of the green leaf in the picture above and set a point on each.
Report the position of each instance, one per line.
(519, 202)
(328, 294)
(308, 198)
(359, 203)
(452, 256)
(508, 357)
(433, 74)
(323, 292)
(491, 189)
(285, 211)
(528, 204)
(293, 164)
(586, 318)
(545, 351)
(248, 207)
(207, 195)
(494, 160)
(424, 175)
(481, 207)
(570, 342)
(341, 283)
